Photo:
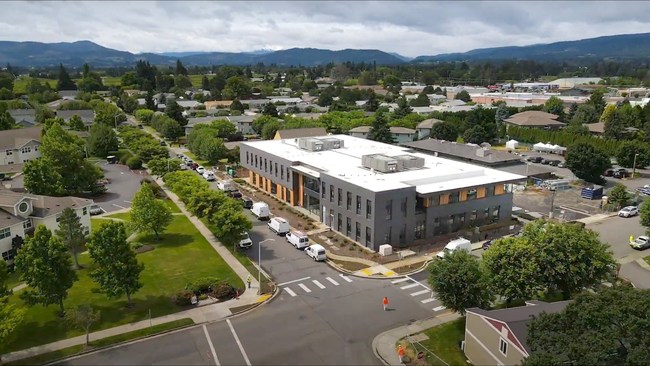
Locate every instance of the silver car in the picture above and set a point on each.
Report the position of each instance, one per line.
(640, 243)
(628, 211)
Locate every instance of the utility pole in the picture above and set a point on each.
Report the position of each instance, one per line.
(634, 165)
(550, 215)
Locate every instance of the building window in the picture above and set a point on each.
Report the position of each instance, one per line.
(256, 161)
(471, 194)
(495, 212)
(389, 210)
(85, 211)
(503, 346)
(402, 234)
(404, 206)
(5, 233)
(489, 191)
(419, 230)
(358, 205)
(9, 255)
(454, 197)
(348, 227)
(246, 157)
(331, 193)
(276, 169)
(265, 165)
(357, 232)
(349, 200)
(27, 224)
(282, 172)
(322, 189)
(368, 235)
(271, 168)
(9, 152)
(339, 223)
(26, 149)
(368, 209)
(389, 235)
(10, 162)
(340, 196)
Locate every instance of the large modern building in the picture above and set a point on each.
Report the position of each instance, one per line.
(376, 193)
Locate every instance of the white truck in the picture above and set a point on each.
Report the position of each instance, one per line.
(261, 210)
(279, 226)
(226, 185)
(298, 239)
(455, 245)
(245, 241)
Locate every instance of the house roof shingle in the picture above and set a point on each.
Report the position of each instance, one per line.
(86, 115)
(598, 127)
(15, 138)
(295, 133)
(428, 123)
(534, 118)
(463, 151)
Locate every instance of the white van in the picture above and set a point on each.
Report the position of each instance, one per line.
(209, 175)
(279, 225)
(245, 241)
(316, 252)
(454, 245)
(261, 210)
(226, 185)
(298, 239)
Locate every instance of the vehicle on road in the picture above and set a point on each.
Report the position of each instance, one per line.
(621, 173)
(644, 191)
(261, 210)
(628, 211)
(454, 245)
(535, 159)
(554, 162)
(200, 169)
(163, 143)
(96, 210)
(235, 194)
(112, 159)
(279, 226)
(641, 243)
(298, 239)
(609, 173)
(226, 185)
(561, 165)
(245, 241)
(208, 175)
(316, 252)
(248, 203)
(545, 162)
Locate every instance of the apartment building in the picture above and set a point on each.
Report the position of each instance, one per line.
(19, 145)
(376, 193)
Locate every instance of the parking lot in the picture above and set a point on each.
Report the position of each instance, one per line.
(123, 183)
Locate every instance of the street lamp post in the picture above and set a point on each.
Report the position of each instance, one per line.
(117, 115)
(259, 264)
(634, 165)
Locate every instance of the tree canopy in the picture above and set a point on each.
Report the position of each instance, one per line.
(587, 162)
(149, 214)
(379, 130)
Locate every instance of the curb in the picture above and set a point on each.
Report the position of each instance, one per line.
(254, 306)
(379, 276)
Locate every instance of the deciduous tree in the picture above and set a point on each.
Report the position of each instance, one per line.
(619, 196)
(464, 96)
(644, 213)
(11, 316)
(83, 317)
(161, 166)
(270, 110)
(102, 140)
(554, 105)
(444, 131)
(4, 275)
(117, 271)
(627, 152)
(229, 222)
(459, 282)
(44, 264)
(71, 232)
(476, 135)
(149, 214)
(587, 162)
(175, 112)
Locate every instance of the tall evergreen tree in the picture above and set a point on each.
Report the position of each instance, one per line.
(64, 81)
(180, 69)
(403, 109)
(379, 130)
(175, 111)
(149, 102)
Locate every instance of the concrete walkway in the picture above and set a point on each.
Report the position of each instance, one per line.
(385, 344)
(202, 314)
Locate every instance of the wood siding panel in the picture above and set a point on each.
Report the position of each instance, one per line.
(444, 199)
(463, 196)
(480, 192)
(499, 189)
(300, 192)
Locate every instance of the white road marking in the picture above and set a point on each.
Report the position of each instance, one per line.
(345, 278)
(122, 207)
(439, 308)
(332, 281)
(289, 291)
(420, 283)
(419, 293)
(318, 284)
(298, 280)
(307, 290)
(241, 348)
(127, 201)
(214, 353)
(409, 286)
(399, 280)
(428, 300)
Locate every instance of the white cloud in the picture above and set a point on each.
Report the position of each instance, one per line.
(410, 28)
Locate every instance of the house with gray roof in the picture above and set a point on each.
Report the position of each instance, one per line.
(401, 135)
(499, 337)
(535, 119)
(424, 128)
(23, 117)
(86, 115)
(294, 133)
(244, 123)
(18, 146)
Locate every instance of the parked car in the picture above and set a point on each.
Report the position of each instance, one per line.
(316, 252)
(279, 226)
(298, 239)
(644, 191)
(640, 243)
(235, 194)
(628, 211)
(545, 161)
(561, 165)
(200, 169)
(245, 241)
(487, 245)
(96, 210)
(248, 203)
(609, 173)
(208, 175)
(554, 162)
(621, 173)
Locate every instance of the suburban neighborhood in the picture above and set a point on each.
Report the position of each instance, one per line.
(346, 211)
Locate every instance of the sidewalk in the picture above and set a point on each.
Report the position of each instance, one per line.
(385, 344)
(202, 314)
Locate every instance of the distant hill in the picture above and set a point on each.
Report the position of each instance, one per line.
(37, 54)
(624, 46)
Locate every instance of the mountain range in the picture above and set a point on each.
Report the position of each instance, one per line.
(37, 54)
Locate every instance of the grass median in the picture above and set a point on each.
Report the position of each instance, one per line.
(443, 344)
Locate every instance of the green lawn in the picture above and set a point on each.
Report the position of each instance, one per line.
(172, 206)
(444, 341)
(96, 222)
(20, 84)
(13, 280)
(112, 80)
(69, 351)
(196, 80)
(181, 256)
(124, 216)
(196, 160)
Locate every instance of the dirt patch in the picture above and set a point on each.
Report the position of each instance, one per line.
(409, 268)
(350, 266)
(340, 245)
(143, 248)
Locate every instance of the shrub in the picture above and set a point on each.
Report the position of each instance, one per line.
(157, 191)
(223, 291)
(136, 245)
(203, 297)
(134, 163)
(202, 285)
(239, 180)
(183, 298)
(124, 155)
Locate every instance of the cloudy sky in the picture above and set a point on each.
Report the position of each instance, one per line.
(409, 28)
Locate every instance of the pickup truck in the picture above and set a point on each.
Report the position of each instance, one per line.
(245, 241)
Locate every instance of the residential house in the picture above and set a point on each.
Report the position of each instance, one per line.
(18, 146)
(86, 115)
(499, 337)
(400, 134)
(295, 133)
(68, 94)
(20, 213)
(424, 128)
(597, 128)
(255, 104)
(422, 110)
(568, 83)
(215, 104)
(23, 117)
(187, 104)
(191, 122)
(244, 123)
(535, 119)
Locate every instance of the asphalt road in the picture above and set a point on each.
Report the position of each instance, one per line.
(124, 183)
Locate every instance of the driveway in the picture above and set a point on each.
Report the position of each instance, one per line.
(124, 182)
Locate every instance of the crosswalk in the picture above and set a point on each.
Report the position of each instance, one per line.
(307, 285)
(417, 290)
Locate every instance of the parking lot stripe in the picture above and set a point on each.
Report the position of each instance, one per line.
(122, 207)
(307, 290)
(345, 278)
(409, 286)
(289, 291)
(428, 300)
(439, 308)
(298, 280)
(399, 280)
(419, 293)
(332, 281)
(318, 284)
(214, 353)
(241, 348)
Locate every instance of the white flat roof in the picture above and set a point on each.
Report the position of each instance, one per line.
(437, 175)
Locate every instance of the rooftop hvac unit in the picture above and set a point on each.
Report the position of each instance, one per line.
(381, 163)
(330, 143)
(410, 161)
(310, 144)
